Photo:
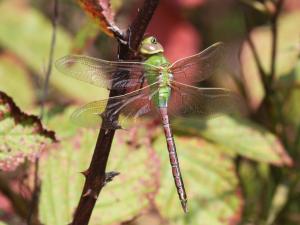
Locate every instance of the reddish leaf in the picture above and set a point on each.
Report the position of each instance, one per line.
(104, 15)
(22, 136)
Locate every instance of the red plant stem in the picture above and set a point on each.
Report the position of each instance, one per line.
(95, 174)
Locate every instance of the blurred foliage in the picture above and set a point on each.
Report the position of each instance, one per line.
(23, 88)
(65, 162)
(286, 58)
(210, 180)
(22, 136)
(253, 142)
(29, 41)
(237, 170)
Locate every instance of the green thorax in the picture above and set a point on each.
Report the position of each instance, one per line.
(162, 96)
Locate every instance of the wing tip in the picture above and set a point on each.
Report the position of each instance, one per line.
(218, 45)
(60, 62)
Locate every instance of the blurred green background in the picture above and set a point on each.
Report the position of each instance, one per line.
(237, 170)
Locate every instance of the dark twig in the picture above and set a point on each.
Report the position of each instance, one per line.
(37, 182)
(50, 61)
(95, 174)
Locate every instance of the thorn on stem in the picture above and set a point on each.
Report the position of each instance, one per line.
(85, 173)
(91, 193)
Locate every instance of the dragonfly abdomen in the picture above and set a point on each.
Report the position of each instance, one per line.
(173, 158)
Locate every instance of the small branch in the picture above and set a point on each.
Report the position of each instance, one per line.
(37, 183)
(50, 61)
(95, 174)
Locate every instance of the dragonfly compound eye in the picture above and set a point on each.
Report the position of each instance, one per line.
(153, 41)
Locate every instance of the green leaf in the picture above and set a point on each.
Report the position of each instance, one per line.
(286, 55)
(62, 123)
(279, 201)
(14, 81)
(22, 136)
(85, 36)
(214, 195)
(30, 41)
(239, 135)
(120, 200)
(291, 79)
(292, 105)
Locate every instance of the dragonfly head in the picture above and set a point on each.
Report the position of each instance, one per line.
(150, 46)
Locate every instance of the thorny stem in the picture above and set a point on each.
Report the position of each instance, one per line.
(37, 182)
(95, 174)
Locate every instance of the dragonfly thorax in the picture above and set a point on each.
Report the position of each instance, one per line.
(165, 79)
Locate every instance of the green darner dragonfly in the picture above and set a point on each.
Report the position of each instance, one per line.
(154, 86)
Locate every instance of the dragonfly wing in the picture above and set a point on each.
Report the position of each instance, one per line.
(198, 67)
(105, 74)
(189, 100)
(128, 106)
(89, 115)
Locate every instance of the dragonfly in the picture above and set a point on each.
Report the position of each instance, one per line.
(153, 86)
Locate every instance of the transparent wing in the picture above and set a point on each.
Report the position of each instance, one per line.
(198, 67)
(204, 102)
(106, 74)
(129, 106)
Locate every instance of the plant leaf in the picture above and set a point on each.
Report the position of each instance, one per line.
(239, 135)
(291, 83)
(102, 12)
(14, 81)
(210, 181)
(30, 41)
(66, 128)
(22, 136)
(120, 200)
(286, 55)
